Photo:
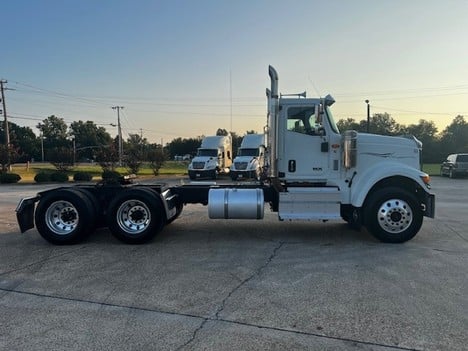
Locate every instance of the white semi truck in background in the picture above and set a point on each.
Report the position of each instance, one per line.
(312, 172)
(249, 161)
(214, 157)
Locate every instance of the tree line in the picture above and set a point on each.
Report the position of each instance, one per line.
(64, 145)
(82, 141)
(436, 145)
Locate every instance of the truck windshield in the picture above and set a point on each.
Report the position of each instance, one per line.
(331, 120)
(207, 152)
(248, 152)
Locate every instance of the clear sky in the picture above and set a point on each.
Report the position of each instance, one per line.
(174, 65)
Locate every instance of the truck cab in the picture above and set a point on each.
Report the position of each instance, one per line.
(249, 161)
(214, 157)
(308, 140)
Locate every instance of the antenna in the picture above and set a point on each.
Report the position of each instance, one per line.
(230, 96)
(315, 88)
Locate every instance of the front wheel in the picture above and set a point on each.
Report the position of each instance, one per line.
(393, 215)
(135, 216)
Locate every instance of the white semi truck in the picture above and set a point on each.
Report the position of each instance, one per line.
(313, 172)
(249, 161)
(214, 157)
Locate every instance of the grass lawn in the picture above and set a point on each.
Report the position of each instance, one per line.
(431, 168)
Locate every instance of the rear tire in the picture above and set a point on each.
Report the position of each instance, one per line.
(393, 215)
(65, 216)
(136, 215)
(451, 173)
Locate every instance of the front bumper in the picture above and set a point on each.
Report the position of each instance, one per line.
(242, 174)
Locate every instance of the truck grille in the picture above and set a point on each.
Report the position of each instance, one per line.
(240, 166)
(198, 165)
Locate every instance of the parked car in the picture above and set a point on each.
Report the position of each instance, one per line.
(455, 165)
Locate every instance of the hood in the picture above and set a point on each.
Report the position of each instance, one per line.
(401, 149)
(385, 140)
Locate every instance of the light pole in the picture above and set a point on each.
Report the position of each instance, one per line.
(368, 116)
(42, 147)
(74, 151)
(119, 129)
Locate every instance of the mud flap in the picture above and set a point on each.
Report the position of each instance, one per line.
(25, 213)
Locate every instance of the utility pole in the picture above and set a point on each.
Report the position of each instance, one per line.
(368, 116)
(7, 132)
(119, 129)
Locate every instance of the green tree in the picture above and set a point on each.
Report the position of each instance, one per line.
(454, 137)
(221, 131)
(156, 156)
(89, 138)
(349, 124)
(54, 130)
(426, 132)
(62, 157)
(380, 123)
(135, 149)
(27, 144)
(384, 124)
(8, 155)
(108, 157)
(182, 147)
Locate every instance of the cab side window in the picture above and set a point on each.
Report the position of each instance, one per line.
(303, 120)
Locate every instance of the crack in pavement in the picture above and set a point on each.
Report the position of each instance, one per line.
(50, 257)
(207, 319)
(41, 262)
(223, 303)
(245, 281)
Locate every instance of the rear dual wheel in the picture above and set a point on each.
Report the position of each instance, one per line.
(66, 216)
(135, 216)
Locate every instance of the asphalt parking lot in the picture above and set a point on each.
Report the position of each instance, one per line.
(238, 285)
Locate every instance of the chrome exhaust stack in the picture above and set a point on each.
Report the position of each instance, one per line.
(272, 129)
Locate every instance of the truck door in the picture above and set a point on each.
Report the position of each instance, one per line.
(305, 154)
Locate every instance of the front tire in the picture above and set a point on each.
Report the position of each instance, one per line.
(136, 215)
(393, 215)
(65, 216)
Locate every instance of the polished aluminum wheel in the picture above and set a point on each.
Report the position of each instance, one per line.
(395, 216)
(133, 216)
(62, 217)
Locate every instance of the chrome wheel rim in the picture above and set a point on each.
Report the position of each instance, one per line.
(133, 216)
(62, 217)
(395, 216)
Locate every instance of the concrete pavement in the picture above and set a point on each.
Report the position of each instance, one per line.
(239, 285)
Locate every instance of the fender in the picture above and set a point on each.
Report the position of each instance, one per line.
(364, 181)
